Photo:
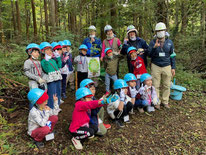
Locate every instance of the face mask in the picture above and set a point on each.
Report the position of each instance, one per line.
(92, 36)
(161, 34)
(110, 37)
(47, 57)
(133, 38)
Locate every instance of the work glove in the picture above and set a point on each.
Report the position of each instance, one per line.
(41, 81)
(48, 123)
(56, 54)
(110, 99)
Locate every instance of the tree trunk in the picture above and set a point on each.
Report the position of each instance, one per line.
(113, 14)
(27, 13)
(177, 22)
(13, 17)
(184, 9)
(1, 26)
(56, 12)
(161, 12)
(46, 19)
(18, 17)
(203, 26)
(52, 16)
(34, 19)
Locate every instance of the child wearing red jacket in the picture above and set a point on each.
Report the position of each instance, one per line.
(80, 127)
(137, 64)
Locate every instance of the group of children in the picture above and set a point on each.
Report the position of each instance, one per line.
(48, 80)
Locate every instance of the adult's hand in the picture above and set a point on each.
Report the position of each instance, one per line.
(173, 72)
(157, 44)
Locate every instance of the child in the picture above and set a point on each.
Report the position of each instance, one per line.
(33, 69)
(137, 64)
(148, 94)
(110, 65)
(97, 115)
(51, 68)
(131, 81)
(82, 66)
(70, 76)
(119, 108)
(42, 119)
(80, 127)
(64, 69)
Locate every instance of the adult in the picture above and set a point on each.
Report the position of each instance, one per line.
(137, 42)
(110, 42)
(163, 66)
(93, 43)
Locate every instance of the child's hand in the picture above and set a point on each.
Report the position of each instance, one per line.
(47, 108)
(55, 98)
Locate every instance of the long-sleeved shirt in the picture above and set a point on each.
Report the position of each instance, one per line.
(38, 118)
(82, 65)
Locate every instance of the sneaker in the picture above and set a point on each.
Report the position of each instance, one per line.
(141, 110)
(107, 126)
(119, 123)
(39, 144)
(128, 121)
(60, 110)
(77, 144)
(64, 95)
(91, 137)
(157, 106)
(132, 112)
(166, 106)
(61, 101)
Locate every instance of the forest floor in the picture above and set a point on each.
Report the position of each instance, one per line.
(178, 130)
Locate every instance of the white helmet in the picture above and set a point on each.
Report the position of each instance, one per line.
(131, 28)
(92, 27)
(107, 27)
(160, 26)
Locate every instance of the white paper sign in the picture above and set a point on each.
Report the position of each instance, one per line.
(93, 67)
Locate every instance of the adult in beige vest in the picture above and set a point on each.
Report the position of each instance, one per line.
(110, 42)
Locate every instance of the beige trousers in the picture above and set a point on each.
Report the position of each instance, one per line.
(162, 74)
(70, 80)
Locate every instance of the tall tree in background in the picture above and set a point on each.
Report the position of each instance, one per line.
(13, 17)
(184, 15)
(52, 16)
(18, 17)
(46, 18)
(34, 19)
(27, 13)
(203, 26)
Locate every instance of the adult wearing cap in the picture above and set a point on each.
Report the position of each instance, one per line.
(163, 65)
(93, 43)
(137, 42)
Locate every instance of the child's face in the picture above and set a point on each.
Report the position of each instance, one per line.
(59, 51)
(88, 99)
(132, 83)
(43, 105)
(125, 90)
(110, 54)
(68, 48)
(148, 82)
(35, 54)
(93, 90)
(64, 49)
(48, 51)
(84, 52)
(133, 55)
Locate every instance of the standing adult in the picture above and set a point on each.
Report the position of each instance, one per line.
(94, 46)
(140, 44)
(163, 66)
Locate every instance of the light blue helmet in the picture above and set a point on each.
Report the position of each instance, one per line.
(85, 82)
(44, 45)
(106, 50)
(62, 43)
(118, 84)
(144, 77)
(67, 42)
(34, 95)
(82, 92)
(130, 49)
(83, 47)
(130, 77)
(32, 46)
(54, 44)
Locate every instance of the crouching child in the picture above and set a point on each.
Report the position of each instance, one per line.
(42, 119)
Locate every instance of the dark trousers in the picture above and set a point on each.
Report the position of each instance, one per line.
(85, 132)
(120, 114)
(64, 83)
(81, 76)
(54, 88)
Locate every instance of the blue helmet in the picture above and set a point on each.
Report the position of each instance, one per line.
(62, 43)
(82, 92)
(144, 77)
(32, 46)
(34, 95)
(130, 77)
(107, 49)
(44, 45)
(54, 44)
(85, 82)
(118, 84)
(130, 49)
(67, 42)
(83, 47)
